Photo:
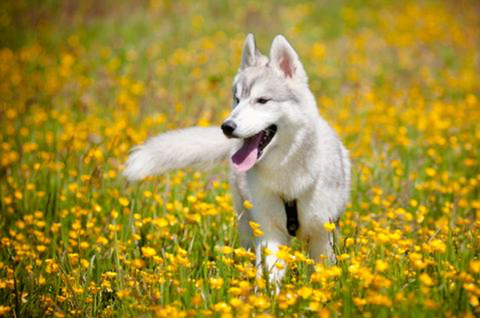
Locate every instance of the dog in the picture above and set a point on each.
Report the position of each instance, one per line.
(284, 157)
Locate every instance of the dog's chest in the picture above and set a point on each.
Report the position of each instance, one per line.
(275, 190)
(289, 184)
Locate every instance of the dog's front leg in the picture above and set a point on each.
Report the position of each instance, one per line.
(267, 248)
(321, 246)
(270, 215)
(239, 190)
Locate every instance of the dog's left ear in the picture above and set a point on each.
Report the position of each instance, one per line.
(284, 58)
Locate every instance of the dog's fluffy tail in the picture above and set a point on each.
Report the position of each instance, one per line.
(199, 147)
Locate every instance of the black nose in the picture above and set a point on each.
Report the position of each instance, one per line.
(228, 127)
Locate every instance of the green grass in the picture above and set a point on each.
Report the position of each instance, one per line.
(83, 82)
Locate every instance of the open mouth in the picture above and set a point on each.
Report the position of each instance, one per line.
(252, 149)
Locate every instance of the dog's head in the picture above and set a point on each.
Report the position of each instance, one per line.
(270, 100)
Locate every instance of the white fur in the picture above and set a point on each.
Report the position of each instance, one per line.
(199, 147)
(305, 161)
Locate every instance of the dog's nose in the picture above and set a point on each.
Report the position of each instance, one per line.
(228, 127)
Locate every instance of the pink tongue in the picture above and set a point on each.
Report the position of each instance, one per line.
(244, 159)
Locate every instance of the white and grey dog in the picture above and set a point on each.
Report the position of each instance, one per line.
(284, 157)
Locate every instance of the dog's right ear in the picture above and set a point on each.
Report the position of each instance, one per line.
(251, 56)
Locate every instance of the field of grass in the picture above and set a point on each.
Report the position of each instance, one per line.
(81, 82)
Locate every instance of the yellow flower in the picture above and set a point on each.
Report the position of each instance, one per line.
(138, 263)
(353, 268)
(324, 313)
(216, 283)
(203, 122)
(438, 246)
(257, 232)
(235, 302)
(85, 263)
(4, 310)
(197, 300)
(41, 280)
(84, 245)
(123, 293)
(283, 253)
(381, 266)
(475, 266)
(227, 250)
(349, 242)
(430, 172)
(148, 252)
(18, 195)
(266, 251)
(110, 274)
(329, 226)
(334, 271)
(256, 229)
(413, 203)
(52, 266)
(314, 306)
(259, 301)
(123, 202)
(359, 302)
(474, 301)
(305, 292)
(318, 51)
(425, 279)
(247, 205)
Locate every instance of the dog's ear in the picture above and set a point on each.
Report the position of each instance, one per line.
(284, 59)
(251, 56)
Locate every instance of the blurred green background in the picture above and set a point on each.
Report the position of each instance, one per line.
(81, 82)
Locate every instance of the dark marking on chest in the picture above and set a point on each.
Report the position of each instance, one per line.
(292, 217)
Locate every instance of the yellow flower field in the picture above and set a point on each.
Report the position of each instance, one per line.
(84, 81)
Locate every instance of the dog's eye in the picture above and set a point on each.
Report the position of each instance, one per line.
(262, 100)
(236, 100)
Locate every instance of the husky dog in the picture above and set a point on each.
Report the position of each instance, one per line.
(284, 157)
